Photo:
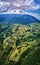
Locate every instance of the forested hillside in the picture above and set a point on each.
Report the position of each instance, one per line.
(20, 44)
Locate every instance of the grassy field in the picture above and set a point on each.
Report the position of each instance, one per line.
(20, 44)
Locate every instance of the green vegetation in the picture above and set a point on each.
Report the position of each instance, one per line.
(20, 44)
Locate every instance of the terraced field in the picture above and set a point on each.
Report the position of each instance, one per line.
(20, 44)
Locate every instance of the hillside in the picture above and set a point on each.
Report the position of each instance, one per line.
(20, 44)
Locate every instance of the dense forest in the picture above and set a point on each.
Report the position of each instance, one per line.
(20, 44)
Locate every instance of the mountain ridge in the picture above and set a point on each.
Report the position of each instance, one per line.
(21, 19)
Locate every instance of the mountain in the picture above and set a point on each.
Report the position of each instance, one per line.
(2, 19)
(23, 19)
(20, 44)
(17, 18)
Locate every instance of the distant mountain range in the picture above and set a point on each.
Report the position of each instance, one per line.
(17, 18)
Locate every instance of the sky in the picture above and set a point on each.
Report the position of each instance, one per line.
(31, 7)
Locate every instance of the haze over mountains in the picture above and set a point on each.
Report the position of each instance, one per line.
(18, 18)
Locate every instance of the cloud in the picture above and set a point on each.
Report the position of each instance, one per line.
(18, 7)
(4, 6)
(24, 4)
(18, 4)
